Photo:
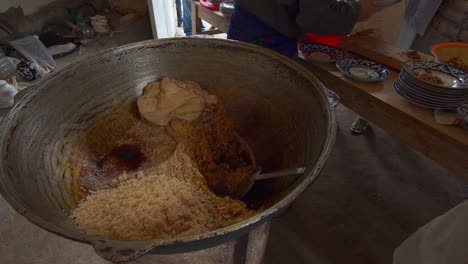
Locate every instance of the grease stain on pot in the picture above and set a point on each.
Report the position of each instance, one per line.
(128, 156)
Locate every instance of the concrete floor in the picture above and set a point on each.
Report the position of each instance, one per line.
(373, 193)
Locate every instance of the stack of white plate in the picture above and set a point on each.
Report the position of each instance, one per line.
(448, 89)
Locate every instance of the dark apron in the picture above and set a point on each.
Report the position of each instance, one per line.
(246, 27)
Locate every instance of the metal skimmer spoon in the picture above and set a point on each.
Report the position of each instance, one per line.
(244, 188)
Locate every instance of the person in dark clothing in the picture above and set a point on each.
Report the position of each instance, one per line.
(276, 24)
(246, 27)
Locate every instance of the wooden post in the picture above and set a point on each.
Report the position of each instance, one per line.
(196, 21)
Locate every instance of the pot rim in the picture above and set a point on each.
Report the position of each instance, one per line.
(230, 231)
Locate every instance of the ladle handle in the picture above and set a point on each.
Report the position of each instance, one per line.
(281, 173)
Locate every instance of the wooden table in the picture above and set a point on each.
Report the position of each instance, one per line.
(378, 103)
(412, 125)
(215, 18)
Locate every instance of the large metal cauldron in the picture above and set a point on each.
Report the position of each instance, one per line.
(277, 105)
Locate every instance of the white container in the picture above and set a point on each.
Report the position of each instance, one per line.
(7, 93)
(100, 24)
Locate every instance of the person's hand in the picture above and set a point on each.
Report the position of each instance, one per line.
(368, 8)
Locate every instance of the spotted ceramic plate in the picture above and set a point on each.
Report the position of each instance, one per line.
(362, 69)
(319, 52)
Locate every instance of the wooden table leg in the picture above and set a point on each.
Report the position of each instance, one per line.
(196, 21)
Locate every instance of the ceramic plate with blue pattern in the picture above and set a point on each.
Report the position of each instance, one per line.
(416, 100)
(436, 75)
(362, 69)
(319, 52)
